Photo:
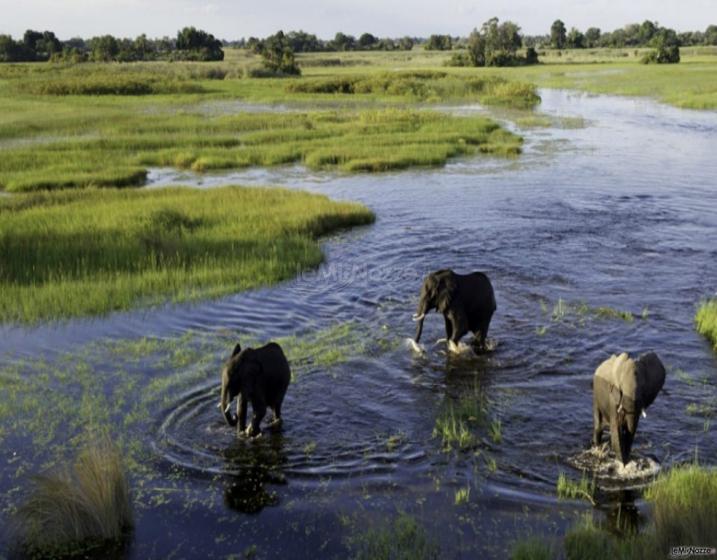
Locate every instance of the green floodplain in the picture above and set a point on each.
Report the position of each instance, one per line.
(80, 237)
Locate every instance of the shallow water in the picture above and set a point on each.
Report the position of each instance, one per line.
(618, 214)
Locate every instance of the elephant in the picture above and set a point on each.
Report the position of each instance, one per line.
(466, 301)
(623, 388)
(257, 375)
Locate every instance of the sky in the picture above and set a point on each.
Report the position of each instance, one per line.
(233, 19)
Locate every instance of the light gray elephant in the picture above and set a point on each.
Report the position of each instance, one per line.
(623, 388)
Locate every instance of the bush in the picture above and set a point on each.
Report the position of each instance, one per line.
(79, 508)
(108, 85)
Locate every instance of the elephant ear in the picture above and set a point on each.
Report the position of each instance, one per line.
(650, 378)
(447, 291)
(236, 350)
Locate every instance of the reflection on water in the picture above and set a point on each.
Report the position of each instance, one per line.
(619, 214)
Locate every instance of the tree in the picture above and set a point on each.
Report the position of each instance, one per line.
(439, 43)
(196, 44)
(592, 37)
(496, 44)
(104, 48)
(343, 42)
(10, 51)
(711, 35)
(575, 39)
(278, 55)
(646, 32)
(557, 34)
(300, 41)
(367, 41)
(405, 43)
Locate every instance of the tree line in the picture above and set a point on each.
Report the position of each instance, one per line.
(189, 44)
(303, 42)
(645, 34)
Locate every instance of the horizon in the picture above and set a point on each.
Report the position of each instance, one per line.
(225, 20)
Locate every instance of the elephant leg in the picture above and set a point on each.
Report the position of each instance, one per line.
(615, 439)
(597, 426)
(259, 411)
(449, 327)
(241, 413)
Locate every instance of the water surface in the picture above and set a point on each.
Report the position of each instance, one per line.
(619, 214)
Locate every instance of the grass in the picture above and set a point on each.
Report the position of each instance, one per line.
(458, 421)
(684, 513)
(569, 489)
(462, 496)
(83, 507)
(117, 151)
(532, 549)
(401, 539)
(75, 253)
(691, 84)
(563, 310)
(706, 320)
(104, 125)
(685, 507)
(423, 85)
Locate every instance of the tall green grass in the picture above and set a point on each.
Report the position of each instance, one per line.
(73, 253)
(683, 513)
(425, 85)
(81, 510)
(706, 320)
(118, 151)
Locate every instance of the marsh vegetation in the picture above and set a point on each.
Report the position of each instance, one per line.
(69, 253)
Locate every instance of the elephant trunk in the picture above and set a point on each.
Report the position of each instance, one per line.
(226, 405)
(419, 317)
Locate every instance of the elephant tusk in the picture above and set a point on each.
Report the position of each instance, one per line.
(644, 414)
(226, 410)
(418, 317)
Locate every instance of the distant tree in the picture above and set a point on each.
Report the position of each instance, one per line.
(575, 39)
(667, 48)
(592, 37)
(405, 43)
(386, 44)
(496, 44)
(10, 50)
(557, 34)
(367, 42)
(646, 31)
(300, 41)
(104, 48)
(278, 55)
(143, 48)
(710, 37)
(343, 42)
(631, 34)
(439, 43)
(196, 44)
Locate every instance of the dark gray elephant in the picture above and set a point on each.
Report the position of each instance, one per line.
(622, 389)
(466, 301)
(257, 375)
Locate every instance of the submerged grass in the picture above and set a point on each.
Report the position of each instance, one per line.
(401, 539)
(83, 508)
(706, 320)
(459, 420)
(72, 253)
(569, 489)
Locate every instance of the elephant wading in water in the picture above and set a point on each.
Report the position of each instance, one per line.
(622, 389)
(257, 375)
(466, 301)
